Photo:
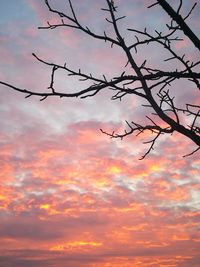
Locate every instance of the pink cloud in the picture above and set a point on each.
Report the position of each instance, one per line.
(73, 186)
(75, 197)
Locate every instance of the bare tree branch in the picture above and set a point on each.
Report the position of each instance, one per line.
(152, 84)
(181, 21)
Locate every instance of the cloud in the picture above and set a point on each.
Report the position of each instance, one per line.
(72, 196)
(85, 196)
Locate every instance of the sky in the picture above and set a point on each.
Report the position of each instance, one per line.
(70, 196)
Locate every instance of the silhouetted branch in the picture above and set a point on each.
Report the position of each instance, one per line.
(181, 21)
(150, 83)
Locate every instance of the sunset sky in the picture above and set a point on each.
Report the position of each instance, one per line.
(70, 196)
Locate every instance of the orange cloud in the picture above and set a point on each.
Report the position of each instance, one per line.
(71, 196)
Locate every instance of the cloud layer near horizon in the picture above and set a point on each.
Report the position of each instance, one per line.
(71, 196)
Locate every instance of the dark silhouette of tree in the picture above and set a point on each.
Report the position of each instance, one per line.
(148, 83)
